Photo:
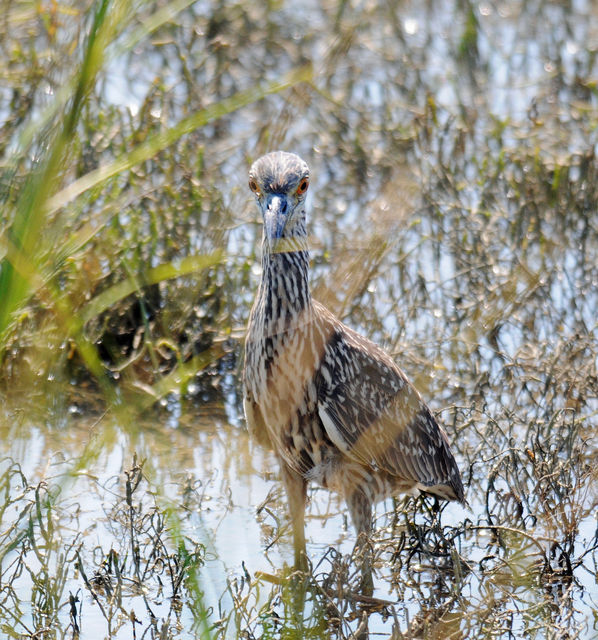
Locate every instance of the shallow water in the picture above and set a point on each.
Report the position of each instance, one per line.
(231, 478)
(452, 217)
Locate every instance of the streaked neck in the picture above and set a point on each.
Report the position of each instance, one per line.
(284, 288)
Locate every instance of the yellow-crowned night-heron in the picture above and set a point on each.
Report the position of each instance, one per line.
(335, 407)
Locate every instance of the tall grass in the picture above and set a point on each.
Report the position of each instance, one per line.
(49, 301)
(46, 227)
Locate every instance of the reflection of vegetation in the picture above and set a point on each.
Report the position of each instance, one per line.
(454, 147)
(153, 564)
(142, 580)
(31, 546)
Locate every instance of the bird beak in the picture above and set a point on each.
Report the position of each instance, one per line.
(275, 216)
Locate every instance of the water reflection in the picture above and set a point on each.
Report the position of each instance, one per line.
(434, 569)
(453, 152)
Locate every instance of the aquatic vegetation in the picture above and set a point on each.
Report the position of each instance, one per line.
(452, 148)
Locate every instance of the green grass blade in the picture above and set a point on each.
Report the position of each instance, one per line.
(110, 296)
(165, 138)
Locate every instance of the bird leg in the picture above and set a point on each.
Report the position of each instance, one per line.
(360, 507)
(296, 488)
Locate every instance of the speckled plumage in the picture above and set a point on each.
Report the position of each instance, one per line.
(335, 407)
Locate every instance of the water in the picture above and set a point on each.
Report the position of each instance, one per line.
(227, 472)
(452, 219)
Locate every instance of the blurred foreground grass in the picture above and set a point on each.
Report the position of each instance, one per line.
(454, 220)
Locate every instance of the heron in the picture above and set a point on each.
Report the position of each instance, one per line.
(333, 406)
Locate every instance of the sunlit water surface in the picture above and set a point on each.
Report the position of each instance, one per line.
(210, 451)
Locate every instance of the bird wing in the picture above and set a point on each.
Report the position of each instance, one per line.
(373, 414)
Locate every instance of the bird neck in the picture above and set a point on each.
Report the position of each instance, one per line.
(284, 288)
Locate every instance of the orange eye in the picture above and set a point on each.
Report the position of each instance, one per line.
(253, 186)
(302, 188)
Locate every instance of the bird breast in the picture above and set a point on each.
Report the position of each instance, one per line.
(281, 379)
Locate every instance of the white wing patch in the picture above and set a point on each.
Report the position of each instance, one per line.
(331, 429)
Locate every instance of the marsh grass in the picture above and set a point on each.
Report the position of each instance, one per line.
(154, 564)
(454, 221)
(137, 583)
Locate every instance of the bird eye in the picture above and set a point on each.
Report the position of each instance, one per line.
(253, 186)
(302, 188)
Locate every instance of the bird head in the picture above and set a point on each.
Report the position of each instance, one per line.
(280, 181)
